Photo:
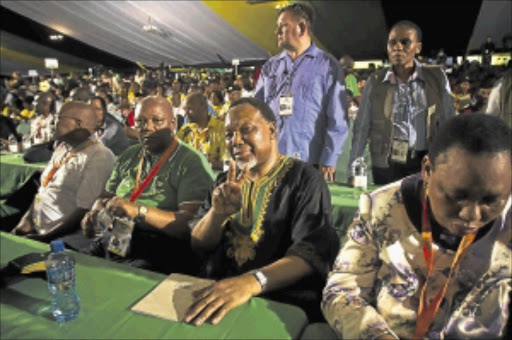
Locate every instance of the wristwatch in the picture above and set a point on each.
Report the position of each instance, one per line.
(262, 279)
(142, 211)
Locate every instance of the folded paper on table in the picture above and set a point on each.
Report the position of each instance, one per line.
(172, 297)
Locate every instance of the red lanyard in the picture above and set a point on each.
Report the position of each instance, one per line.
(57, 166)
(138, 189)
(426, 312)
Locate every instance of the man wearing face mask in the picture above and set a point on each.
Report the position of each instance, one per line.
(73, 179)
(158, 185)
(401, 109)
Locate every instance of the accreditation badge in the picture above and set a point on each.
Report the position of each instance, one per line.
(286, 105)
(399, 151)
(121, 236)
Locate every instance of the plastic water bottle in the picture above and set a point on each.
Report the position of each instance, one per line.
(13, 144)
(60, 271)
(360, 176)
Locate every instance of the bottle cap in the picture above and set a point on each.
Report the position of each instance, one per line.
(57, 246)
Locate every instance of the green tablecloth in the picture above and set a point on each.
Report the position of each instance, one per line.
(107, 291)
(14, 172)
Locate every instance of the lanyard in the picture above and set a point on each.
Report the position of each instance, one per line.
(274, 91)
(426, 312)
(138, 189)
(57, 166)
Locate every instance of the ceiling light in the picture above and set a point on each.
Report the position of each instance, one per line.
(56, 37)
(149, 28)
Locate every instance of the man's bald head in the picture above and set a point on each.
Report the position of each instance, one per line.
(158, 103)
(198, 99)
(76, 116)
(155, 122)
(196, 108)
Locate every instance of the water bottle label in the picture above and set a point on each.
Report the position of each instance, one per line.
(399, 151)
(360, 182)
(58, 274)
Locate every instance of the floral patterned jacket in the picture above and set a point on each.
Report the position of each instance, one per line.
(375, 285)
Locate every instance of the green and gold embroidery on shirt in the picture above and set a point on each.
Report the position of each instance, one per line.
(246, 224)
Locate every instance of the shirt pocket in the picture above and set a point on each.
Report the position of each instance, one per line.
(309, 105)
(312, 87)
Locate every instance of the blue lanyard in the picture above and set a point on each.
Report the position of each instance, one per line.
(288, 80)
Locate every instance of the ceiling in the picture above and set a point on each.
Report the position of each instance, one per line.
(191, 33)
(212, 33)
(22, 55)
(494, 20)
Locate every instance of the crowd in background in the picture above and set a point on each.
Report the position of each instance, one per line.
(470, 84)
(122, 93)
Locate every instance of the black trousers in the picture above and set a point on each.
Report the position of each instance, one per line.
(398, 171)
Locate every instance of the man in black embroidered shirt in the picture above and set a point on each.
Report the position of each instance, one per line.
(265, 227)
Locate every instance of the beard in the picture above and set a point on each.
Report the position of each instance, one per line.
(241, 164)
(285, 45)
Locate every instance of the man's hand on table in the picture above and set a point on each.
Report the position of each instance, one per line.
(213, 302)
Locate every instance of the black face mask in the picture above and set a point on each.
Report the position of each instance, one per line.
(158, 141)
(75, 137)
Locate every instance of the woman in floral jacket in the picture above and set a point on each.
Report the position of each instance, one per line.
(430, 256)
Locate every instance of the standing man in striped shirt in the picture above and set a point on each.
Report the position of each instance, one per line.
(401, 109)
(305, 88)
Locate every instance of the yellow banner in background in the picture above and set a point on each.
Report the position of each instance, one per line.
(256, 20)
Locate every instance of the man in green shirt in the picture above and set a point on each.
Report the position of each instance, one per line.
(158, 185)
(347, 64)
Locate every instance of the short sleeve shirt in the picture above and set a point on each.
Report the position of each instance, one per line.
(76, 184)
(185, 177)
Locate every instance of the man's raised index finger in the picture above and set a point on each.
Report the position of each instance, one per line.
(232, 171)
